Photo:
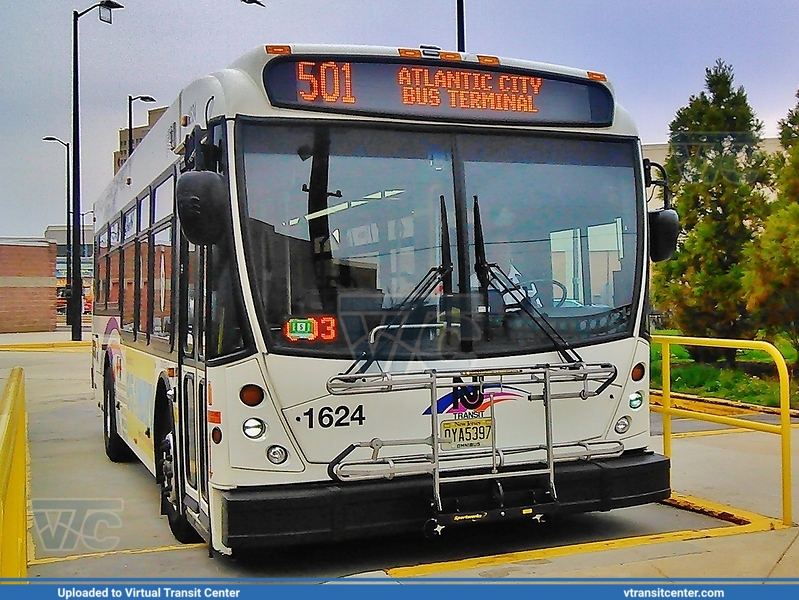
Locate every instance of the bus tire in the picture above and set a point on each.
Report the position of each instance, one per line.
(115, 447)
(178, 523)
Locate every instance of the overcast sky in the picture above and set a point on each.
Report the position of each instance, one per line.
(654, 51)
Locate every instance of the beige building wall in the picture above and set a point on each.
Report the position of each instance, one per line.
(121, 155)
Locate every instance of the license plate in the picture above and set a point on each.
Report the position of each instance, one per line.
(466, 433)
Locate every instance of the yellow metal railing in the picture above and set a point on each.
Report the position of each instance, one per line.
(783, 429)
(13, 479)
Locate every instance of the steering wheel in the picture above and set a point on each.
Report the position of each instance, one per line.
(556, 302)
(559, 302)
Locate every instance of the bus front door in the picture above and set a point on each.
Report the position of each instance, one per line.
(192, 436)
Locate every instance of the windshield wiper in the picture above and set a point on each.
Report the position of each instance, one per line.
(492, 275)
(441, 274)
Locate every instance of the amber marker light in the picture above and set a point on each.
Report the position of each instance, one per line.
(251, 394)
(449, 56)
(410, 53)
(278, 49)
(597, 76)
(488, 60)
(638, 372)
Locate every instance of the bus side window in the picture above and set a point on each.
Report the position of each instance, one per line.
(144, 213)
(144, 285)
(101, 283)
(114, 281)
(101, 270)
(129, 285)
(162, 283)
(225, 310)
(164, 200)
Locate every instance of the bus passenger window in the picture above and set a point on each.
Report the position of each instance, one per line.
(115, 234)
(129, 224)
(128, 290)
(162, 283)
(101, 282)
(144, 285)
(114, 282)
(164, 200)
(144, 213)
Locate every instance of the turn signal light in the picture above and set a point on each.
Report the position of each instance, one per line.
(638, 372)
(251, 394)
(216, 435)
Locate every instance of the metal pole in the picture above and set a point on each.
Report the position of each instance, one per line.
(68, 282)
(75, 308)
(130, 125)
(461, 27)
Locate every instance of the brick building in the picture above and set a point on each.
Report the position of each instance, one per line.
(27, 285)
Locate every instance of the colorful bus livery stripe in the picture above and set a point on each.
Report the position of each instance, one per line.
(453, 403)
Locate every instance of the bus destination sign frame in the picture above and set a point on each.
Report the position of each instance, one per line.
(435, 90)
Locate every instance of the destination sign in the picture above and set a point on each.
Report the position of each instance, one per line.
(438, 91)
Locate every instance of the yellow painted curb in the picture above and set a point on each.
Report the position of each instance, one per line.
(743, 522)
(711, 405)
(57, 559)
(46, 346)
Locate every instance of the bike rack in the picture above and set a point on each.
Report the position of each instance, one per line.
(482, 463)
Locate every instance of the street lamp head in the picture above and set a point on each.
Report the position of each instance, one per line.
(105, 7)
(51, 138)
(145, 98)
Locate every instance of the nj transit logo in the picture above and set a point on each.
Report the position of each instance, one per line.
(469, 398)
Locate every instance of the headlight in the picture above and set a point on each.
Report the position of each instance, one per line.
(254, 428)
(622, 425)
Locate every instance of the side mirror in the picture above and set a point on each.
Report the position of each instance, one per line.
(201, 203)
(664, 227)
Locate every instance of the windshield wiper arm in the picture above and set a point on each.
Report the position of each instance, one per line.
(492, 275)
(441, 274)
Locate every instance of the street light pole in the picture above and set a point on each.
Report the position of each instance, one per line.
(461, 27)
(131, 100)
(75, 309)
(68, 286)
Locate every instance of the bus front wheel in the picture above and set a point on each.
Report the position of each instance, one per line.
(178, 524)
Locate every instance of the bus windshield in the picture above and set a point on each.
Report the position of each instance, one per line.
(362, 241)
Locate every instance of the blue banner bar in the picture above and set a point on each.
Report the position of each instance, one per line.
(391, 589)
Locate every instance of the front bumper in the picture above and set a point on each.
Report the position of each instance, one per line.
(323, 512)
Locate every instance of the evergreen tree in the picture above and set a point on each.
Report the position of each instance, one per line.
(771, 280)
(718, 174)
(789, 126)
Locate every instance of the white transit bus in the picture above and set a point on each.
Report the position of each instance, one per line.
(346, 291)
